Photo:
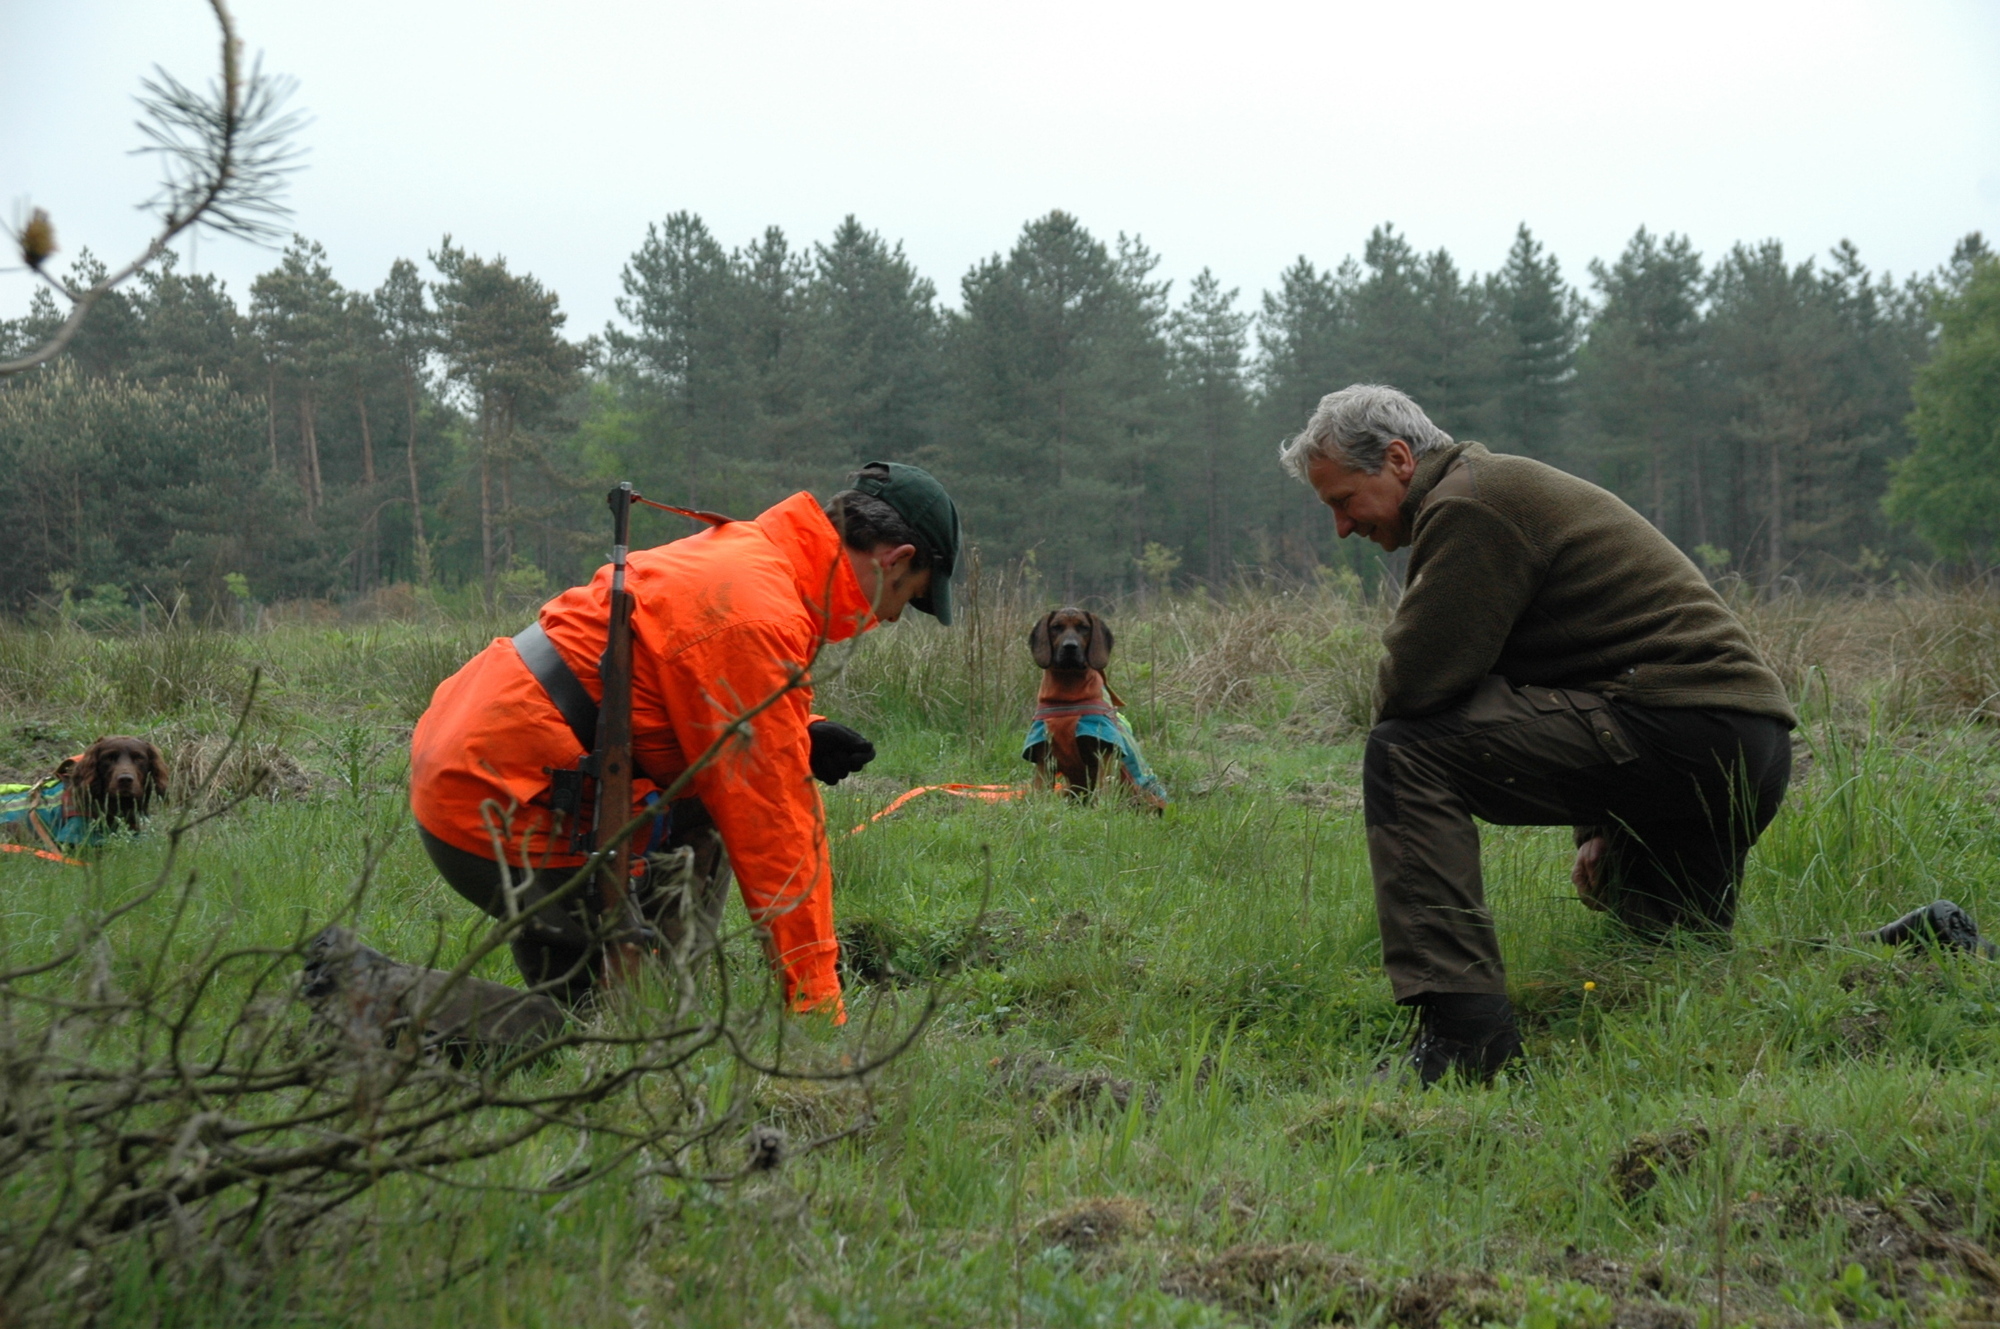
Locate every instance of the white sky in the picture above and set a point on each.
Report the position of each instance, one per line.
(1237, 136)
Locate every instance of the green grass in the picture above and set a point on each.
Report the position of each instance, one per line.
(1147, 1096)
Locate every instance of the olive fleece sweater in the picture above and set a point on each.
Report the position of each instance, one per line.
(1519, 569)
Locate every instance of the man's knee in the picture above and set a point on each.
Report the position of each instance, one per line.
(1378, 784)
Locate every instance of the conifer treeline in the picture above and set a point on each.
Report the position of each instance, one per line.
(441, 429)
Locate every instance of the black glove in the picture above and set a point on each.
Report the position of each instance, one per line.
(837, 751)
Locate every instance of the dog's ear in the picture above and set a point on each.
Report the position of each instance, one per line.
(156, 770)
(1100, 644)
(90, 766)
(1039, 644)
(68, 768)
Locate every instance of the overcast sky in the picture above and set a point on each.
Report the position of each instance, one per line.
(1236, 136)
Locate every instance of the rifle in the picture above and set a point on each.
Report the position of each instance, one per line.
(612, 757)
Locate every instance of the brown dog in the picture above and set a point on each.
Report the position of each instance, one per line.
(1072, 646)
(114, 781)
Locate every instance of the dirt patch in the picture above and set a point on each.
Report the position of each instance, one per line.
(1893, 1243)
(1418, 1133)
(208, 772)
(1229, 777)
(1653, 1315)
(1324, 796)
(1324, 727)
(868, 949)
(1463, 1296)
(1798, 1147)
(876, 950)
(1316, 1285)
(1862, 1033)
(811, 1109)
(1874, 980)
(1063, 1096)
(1615, 1278)
(1095, 1223)
(34, 750)
(1649, 1157)
(1072, 926)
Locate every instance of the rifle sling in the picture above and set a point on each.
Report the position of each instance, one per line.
(565, 689)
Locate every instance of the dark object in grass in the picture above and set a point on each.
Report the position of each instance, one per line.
(1940, 923)
(1471, 1034)
(372, 1001)
(766, 1148)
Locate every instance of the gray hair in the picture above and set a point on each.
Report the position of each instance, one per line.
(1352, 428)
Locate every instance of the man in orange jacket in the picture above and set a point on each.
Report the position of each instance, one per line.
(722, 621)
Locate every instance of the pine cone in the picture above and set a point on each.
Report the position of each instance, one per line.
(38, 239)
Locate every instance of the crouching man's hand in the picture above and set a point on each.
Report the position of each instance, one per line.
(837, 751)
(1587, 873)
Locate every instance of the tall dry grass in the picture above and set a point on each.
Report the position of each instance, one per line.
(1927, 656)
(1303, 658)
(1300, 657)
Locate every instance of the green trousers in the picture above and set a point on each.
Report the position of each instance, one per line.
(1680, 795)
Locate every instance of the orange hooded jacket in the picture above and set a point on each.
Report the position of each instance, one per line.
(720, 622)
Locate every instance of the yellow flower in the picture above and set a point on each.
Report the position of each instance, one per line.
(1589, 986)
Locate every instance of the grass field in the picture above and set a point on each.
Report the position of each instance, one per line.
(1145, 1098)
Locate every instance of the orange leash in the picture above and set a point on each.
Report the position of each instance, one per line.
(985, 793)
(54, 857)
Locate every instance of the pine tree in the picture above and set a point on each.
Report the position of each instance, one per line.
(1304, 334)
(683, 354)
(1060, 365)
(1639, 374)
(1209, 340)
(410, 331)
(299, 313)
(501, 337)
(873, 342)
(1389, 333)
(189, 327)
(1456, 349)
(1540, 320)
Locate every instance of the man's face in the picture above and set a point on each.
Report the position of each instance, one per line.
(887, 581)
(1370, 506)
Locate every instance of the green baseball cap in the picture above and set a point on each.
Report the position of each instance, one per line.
(921, 501)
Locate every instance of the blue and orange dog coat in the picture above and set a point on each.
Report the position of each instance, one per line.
(1078, 703)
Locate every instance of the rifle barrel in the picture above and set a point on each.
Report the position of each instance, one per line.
(614, 745)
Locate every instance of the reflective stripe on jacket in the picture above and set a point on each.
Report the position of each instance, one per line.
(721, 622)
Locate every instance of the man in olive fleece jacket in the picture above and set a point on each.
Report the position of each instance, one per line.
(1554, 660)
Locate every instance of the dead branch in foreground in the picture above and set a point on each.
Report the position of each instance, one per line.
(150, 1082)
